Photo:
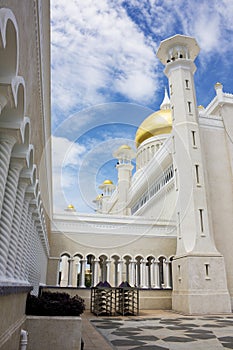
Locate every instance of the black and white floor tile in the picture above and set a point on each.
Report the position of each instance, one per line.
(180, 333)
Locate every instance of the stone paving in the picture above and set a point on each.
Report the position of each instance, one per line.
(164, 331)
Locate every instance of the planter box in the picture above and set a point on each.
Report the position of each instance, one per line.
(54, 332)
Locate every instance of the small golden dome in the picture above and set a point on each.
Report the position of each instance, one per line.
(99, 197)
(201, 107)
(124, 147)
(157, 123)
(107, 182)
(70, 206)
(218, 84)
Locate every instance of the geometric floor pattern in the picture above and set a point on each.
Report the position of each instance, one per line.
(156, 333)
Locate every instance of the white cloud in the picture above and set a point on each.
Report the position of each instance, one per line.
(93, 43)
(65, 152)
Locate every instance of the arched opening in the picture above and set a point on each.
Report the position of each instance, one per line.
(117, 274)
(103, 268)
(125, 272)
(150, 272)
(138, 281)
(89, 270)
(76, 270)
(63, 273)
(161, 262)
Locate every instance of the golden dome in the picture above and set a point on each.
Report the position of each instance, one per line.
(107, 182)
(70, 206)
(99, 197)
(157, 123)
(124, 147)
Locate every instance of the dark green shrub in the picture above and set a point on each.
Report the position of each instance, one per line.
(54, 304)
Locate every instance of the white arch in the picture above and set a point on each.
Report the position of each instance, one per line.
(9, 43)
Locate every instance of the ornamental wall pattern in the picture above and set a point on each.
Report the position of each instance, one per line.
(24, 247)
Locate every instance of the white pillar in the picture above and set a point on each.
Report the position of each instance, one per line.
(75, 272)
(82, 273)
(152, 275)
(6, 145)
(96, 272)
(143, 274)
(120, 269)
(132, 281)
(7, 213)
(22, 273)
(108, 270)
(168, 275)
(15, 231)
(147, 276)
(137, 274)
(71, 260)
(165, 266)
(156, 275)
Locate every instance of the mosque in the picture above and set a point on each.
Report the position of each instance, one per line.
(166, 229)
(168, 226)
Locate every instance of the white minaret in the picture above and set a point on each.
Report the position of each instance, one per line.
(124, 154)
(107, 187)
(199, 278)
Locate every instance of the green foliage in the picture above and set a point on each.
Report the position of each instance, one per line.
(54, 304)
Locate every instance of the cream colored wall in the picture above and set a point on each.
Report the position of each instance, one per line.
(37, 81)
(115, 245)
(12, 308)
(12, 305)
(219, 177)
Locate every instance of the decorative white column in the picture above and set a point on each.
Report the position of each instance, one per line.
(147, 275)
(108, 270)
(15, 231)
(152, 275)
(70, 274)
(137, 274)
(75, 272)
(156, 284)
(143, 274)
(96, 272)
(167, 274)
(23, 238)
(30, 267)
(120, 270)
(7, 213)
(132, 281)
(6, 145)
(82, 273)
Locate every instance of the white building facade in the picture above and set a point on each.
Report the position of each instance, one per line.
(170, 224)
(25, 160)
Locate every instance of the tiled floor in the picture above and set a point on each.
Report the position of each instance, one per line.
(159, 330)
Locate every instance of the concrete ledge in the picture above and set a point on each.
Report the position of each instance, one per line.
(53, 332)
(14, 289)
(149, 299)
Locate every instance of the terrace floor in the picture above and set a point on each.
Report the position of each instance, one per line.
(157, 330)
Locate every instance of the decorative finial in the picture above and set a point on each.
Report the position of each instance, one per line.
(218, 86)
(166, 101)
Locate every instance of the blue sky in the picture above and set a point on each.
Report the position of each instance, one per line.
(106, 79)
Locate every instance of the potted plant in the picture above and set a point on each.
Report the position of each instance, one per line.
(53, 321)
